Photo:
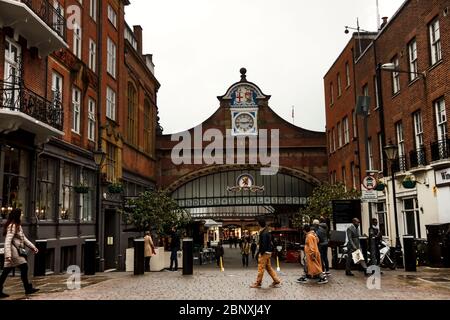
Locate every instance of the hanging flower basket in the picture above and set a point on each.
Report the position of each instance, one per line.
(115, 188)
(409, 184)
(81, 189)
(380, 186)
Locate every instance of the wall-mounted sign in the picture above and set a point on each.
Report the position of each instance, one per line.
(442, 177)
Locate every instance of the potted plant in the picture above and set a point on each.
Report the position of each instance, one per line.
(81, 188)
(115, 188)
(409, 182)
(380, 186)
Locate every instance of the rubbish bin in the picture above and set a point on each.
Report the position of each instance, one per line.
(188, 256)
(90, 256)
(409, 252)
(139, 265)
(39, 258)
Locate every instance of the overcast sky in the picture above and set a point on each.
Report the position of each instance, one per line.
(287, 46)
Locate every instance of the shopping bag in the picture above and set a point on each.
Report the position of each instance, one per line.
(357, 256)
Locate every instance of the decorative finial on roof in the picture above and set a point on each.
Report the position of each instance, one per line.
(243, 74)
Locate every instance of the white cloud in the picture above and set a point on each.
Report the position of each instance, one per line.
(199, 46)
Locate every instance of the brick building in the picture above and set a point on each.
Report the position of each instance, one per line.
(409, 58)
(72, 71)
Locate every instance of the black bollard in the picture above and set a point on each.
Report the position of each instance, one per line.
(188, 256)
(39, 258)
(90, 246)
(139, 261)
(410, 255)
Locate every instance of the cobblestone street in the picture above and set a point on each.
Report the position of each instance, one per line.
(208, 283)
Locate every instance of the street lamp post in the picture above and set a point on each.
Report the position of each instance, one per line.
(99, 158)
(392, 153)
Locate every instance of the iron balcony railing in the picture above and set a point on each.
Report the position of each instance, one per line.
(418, 157)
(400, 164)
(53, 17)
(440, 149)
(18, 98)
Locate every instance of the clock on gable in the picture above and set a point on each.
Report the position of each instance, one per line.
(244, 122)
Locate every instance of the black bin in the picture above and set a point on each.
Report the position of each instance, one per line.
(39, 258)
(409, 253)
(188, 256)
(139, 265)
(90, 260)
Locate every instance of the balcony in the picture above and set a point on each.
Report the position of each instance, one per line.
(440, 151)
(38, 21)
(21, 108)
(400, 164)
(417, 158)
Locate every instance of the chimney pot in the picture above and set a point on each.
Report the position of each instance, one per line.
(384, 23)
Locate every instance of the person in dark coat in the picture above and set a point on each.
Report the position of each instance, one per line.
(253, 248)
(219, 253)
(174, 248)
(322, 234)
(375, 238)
(353, 244)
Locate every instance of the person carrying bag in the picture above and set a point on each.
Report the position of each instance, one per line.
(15, 252)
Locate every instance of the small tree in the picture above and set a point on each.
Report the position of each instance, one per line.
(320, 203)
(156, 211)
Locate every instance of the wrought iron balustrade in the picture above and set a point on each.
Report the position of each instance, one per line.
(52, 16)
(418, 157)
(440, 149)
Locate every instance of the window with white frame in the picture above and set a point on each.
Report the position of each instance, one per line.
(334, 139)
(92, 55)
(377, 100)
(339, 86)
(418, 130)
(346, 130)
(344, 178)
(441, 119)
(380, 144)
(435, 41)
(91, 119)
(355, 124)
(339, 130)
(76, 110)
(112, 16)
(58, 18)
(57, 89)
(330, 141)
(331, 93)
(412, 59)
(370, 150)
(347, 73)
(13, 57)
(93, 9)
(353, 172)
(77, 41)
(110, 103)
(111, 59)
(395, 76)
(400, 140)
(411, 217)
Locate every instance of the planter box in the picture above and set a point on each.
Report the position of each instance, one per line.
(81, 189)
(409, 184)
(380, 187)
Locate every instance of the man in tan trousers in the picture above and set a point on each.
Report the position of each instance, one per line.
(264, 256)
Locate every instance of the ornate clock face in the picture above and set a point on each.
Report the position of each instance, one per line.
(244, 122)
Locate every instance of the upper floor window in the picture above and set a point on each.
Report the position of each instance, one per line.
(418, 129)
(346, 131)
(334, 139)
(355, 124)
(370, 150)
(365, 92)
(111, 61)
(77, 42)
(110, 104)
(377, 100)
(76, 110)
(331, 93)
(91, 120)
(435, 41)
(132, 114)
(148, 128)
(400, 139)
(441, 119)
(347, 74)
(412, 59)
(92, 54)
(339, 130)
(339, 87)
(93, 9)
(112, 16)
(57, 88)
(395, 76)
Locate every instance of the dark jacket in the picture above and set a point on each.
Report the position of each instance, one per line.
(322, 234)
(265, 241)
(175, 242)
(219, 251)
(253, 247)
(353, 235)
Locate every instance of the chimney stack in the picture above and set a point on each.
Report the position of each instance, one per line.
(384, 23)
(137, 30)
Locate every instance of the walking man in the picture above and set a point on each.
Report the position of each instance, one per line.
(353, 244)
(174, 248)
(322, 234)
(264, 256)
(245, 251)
(375, 237)
(149, 250)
